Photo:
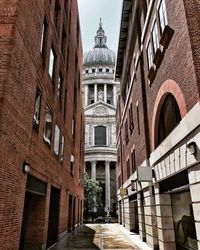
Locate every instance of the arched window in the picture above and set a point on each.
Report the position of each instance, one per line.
(100, 136)
(169, 117)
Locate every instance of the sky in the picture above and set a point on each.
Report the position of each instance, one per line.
(90, 12)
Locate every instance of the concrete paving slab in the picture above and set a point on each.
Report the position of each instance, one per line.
(100, 236)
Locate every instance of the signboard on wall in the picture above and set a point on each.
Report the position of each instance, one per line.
(144, 174)
(123, 191)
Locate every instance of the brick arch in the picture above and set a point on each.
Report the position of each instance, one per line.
(169, 86)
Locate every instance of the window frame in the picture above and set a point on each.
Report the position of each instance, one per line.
(60, 89)
(131, 123)
(52, 62)
(43, 38)
(155, 41)
(62, 148)
(36, 115)
(56, 147)
(150, 53)
(47, 139)
(72, 161)
(162, 16)
(102, 140)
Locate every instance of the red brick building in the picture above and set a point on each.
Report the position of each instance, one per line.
(158, 121)
(41, 122)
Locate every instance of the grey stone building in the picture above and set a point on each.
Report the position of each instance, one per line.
(99, 95)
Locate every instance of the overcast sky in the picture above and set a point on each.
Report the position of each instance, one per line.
(90, 12)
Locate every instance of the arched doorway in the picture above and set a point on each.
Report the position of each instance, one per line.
(169, 117)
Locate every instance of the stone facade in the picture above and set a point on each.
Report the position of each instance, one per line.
(41, 191)
(99, 95)
(158, 123)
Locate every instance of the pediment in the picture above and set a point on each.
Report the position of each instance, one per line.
(100, 109)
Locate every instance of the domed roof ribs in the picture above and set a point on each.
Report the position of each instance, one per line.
(100, 39)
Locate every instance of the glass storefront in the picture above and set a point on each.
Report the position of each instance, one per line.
(184, 225)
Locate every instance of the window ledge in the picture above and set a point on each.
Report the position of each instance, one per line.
(158, 57)
(152, 73)
(166, 36)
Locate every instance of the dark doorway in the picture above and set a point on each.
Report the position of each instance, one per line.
(74, 214)
(169, 117)
(32, 228)
(70, 206)
(53, 217)
(134, 227)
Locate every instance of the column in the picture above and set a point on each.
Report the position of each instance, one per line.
(85, 163)
(114, 95)
(166, 233)
(86, 95)
(95, 93)
(105, 92)
(107, 182)
(93, 170)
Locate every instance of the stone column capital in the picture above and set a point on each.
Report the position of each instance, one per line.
(93, 162)
(107, 163)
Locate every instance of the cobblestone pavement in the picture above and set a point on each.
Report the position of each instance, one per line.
(96, 236)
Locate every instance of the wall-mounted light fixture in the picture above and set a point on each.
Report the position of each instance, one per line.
(192, 147)
(26, 167)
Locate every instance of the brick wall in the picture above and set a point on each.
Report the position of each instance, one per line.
(179, 65)
(22, 68)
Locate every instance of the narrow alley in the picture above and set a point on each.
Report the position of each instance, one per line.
(99, 236)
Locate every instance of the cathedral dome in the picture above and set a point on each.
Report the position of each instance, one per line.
(100, 54)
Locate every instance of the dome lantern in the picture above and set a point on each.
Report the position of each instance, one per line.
(100, 39)
(100, 54)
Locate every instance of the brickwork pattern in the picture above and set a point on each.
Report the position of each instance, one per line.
(22, 68)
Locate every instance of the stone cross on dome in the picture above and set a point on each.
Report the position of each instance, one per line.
(100, 39)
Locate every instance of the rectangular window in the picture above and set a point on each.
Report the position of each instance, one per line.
(60, 83)
(118, 156)
(107, 70)
(126, 132)
(162, 16)
(70, 19)
(73, 128)
(56, 140)
(100, 70)
(75, 97)
(93, 70)
(65, 104)
(155, 38)
(67, 68)
(64, 43)
(131, 125)
(149, 54)
(72, 165)
(43, 37)
(138, 118)
(36, 116)
(56, 14)
(119, 181)
(128, 168)
(100, 136)
(51, 63)
(48, 125)
(62, 148)
(133, 161)
(77, 32)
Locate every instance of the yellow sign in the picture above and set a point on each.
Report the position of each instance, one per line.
(123, 191)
